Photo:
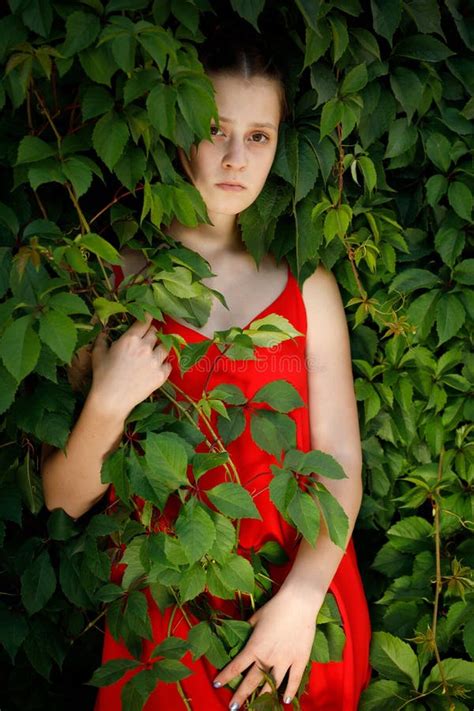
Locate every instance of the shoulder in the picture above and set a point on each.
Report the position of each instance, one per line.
(321, 287)
(326, 317)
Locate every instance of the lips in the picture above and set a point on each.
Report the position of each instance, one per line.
(231, 186)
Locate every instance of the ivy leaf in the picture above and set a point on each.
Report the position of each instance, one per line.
(20, 347)
(59, 333)
(382, 693)
(98, 245)
(272, 431)
(236, 573)
(112, 671)
(455, 671)
(14, 630)
(314, 462)
(412, 279)
(33, 149)
(464, 272)
(424, 48)
(450, 317)
(82, 29)
(401, 137)
(386, 17)
(169, 670)
(408, 89)
(196, 532)
(335, 517)
(167, 462)
(192, 582)
(305, 515)
(279, 394)
(38, 583)
(331, 116)
(461, 200)
(249, 10)
(438, 149)
(355, 80)
(395, 659)
(109, 138)
(233, 500)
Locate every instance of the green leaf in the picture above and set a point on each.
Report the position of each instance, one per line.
(455, 671)
(249, 10)
(196, 532)
(32, 149)
(14, 629)
(109, 138)
(310, 11)
(423, 48)
(461, 200)
(449, 242)
(167, 461)
(401, 137)
(335, 517)
(96, 101)
(280, 395)
(340, 36)
(112, 671)
(408, 89)
(464, 272)
(450, 317)
(38, 583)
(336, 222)
(355, 80)
(161, 107)
(395, 659)
(79, 174)
(386, 17)
(412, 534)
(438, 149)
(412, 279)
(231, 428)
(98, 245)
(59, 333)
(314, 462)
(381, 694)
(305, 515)
(233, 500)
(436, 187)
(8, 389)
(272, 431)
(170, 670)
(236, 573)
(82, 29)
(330, 116)
(20, 348)
(192, 582)
(98, 63)
(368, 171)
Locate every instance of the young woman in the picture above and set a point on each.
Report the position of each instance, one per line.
(230, 171)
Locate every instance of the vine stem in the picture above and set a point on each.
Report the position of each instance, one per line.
(89, 626)
(436, 513)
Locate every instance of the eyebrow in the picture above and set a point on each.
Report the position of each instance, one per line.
(257, 124)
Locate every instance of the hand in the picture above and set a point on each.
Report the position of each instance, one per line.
(128, 371)
(282, 639)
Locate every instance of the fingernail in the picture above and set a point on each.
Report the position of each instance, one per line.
(217, 684)
(287, 700)
(234, 706)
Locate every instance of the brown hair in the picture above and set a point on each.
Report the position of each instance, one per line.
(234, 47)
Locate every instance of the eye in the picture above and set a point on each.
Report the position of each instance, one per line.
(264, 135)
(214, 127)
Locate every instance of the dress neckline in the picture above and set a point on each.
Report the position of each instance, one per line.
(254, 318)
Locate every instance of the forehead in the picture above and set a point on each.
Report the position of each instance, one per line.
(253, 100)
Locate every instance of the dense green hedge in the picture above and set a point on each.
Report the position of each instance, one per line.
(373, 177)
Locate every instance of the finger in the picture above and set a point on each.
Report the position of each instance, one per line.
(247, 686)
(139, 328)
(239, 663)
(100, 346)
(294, 680)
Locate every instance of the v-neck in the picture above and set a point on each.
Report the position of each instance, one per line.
(254, 318)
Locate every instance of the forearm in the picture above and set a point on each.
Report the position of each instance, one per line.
(71, 480)
(314, 567)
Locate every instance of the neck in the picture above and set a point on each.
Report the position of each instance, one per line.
(210, 241)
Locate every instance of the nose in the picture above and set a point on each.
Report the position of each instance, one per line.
(235, 157)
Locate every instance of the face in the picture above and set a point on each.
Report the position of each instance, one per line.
(242, 148)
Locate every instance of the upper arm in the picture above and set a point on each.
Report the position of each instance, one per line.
(332, 403)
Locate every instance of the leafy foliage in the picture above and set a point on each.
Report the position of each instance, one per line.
(373, 178)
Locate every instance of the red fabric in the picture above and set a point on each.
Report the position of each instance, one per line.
(335, 686)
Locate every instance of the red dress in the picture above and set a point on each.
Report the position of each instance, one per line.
(333, 686)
